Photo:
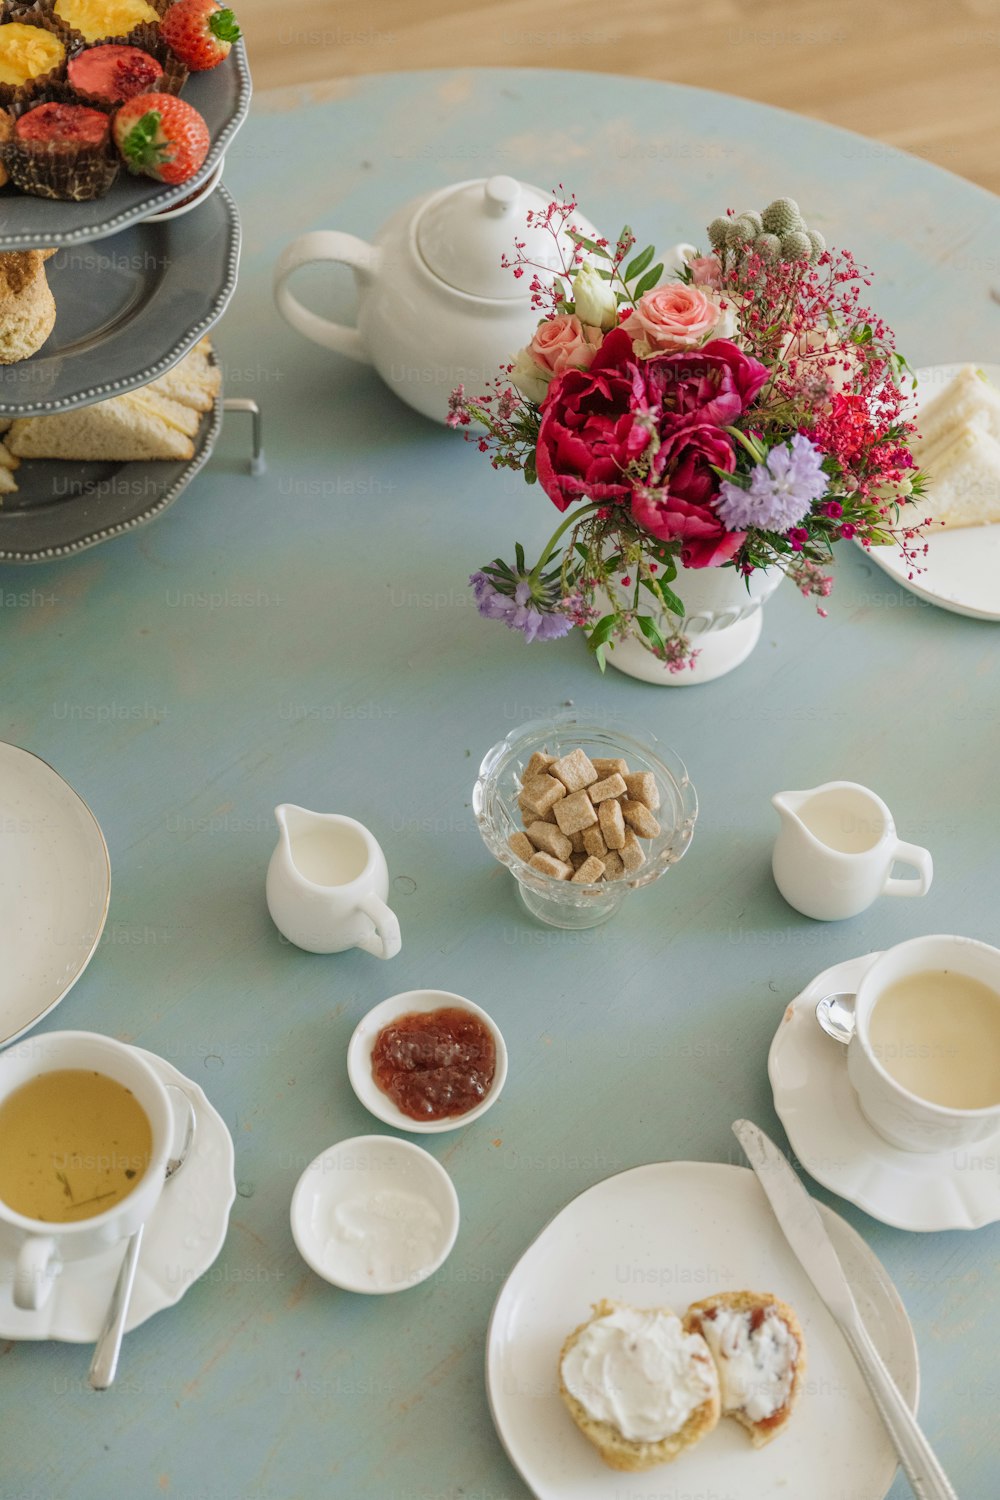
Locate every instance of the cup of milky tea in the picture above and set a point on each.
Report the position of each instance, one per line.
(924, 1059)
(86, 1128)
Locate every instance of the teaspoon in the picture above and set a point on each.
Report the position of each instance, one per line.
(835, 1013)
(104, 1364)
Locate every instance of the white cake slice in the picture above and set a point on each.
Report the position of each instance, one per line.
(968, 398)
(963, 479)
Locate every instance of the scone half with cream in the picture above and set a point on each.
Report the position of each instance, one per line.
(760, 1353)
(639, 1386)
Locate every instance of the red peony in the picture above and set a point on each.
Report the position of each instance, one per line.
(679, 502)
(716, 383)
(589, 433)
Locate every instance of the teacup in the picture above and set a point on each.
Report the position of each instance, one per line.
(924, 1059)
(36, 1249)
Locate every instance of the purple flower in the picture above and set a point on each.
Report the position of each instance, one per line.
(518, 610)
(781, 490)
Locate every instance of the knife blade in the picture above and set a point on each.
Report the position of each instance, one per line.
(799, 1221)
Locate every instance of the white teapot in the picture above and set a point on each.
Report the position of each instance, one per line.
(436, 308)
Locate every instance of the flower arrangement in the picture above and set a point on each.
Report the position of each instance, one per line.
(745, 412)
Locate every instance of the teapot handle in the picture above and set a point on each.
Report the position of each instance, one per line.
(319, 245)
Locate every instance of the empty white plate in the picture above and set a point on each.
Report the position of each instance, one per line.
(55, 884)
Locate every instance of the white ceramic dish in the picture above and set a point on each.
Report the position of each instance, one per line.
(180, 1242)
(668, 1234)
(961, 571)
(957, 1189)
(359, 1059)
(187, 204)
(55, 885)
(374, 1214)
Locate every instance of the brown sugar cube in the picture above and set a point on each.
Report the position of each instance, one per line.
(575, 812)
(592, 869)
(541, 793)
(545, 864)
(639, 818)
(641, 787)
(547, 837)
(528, 815)
(613, 867)
(521, 845)
(608, 765)
(593, 841)
(631, 856)
(576, 839)
(537, 766)
(575, 770)
(612, 786)
(612, 824)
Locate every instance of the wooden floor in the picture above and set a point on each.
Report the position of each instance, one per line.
(918, 75)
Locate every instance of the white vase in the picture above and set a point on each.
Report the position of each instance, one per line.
(723, 619)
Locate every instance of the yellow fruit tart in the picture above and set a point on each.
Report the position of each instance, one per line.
(27, 52)
(97, 19)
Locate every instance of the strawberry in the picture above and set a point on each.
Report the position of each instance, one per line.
(161, 136)
(199, 32)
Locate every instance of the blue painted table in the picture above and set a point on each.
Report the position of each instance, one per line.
(309, 636)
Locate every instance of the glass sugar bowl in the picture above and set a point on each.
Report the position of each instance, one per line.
(563, 902)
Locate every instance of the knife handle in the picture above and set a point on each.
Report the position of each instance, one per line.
(916, 1456)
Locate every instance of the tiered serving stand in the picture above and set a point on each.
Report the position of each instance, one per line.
(139, 276)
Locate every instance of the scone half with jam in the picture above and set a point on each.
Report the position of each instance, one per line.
(760, 1353)
(639, 1386)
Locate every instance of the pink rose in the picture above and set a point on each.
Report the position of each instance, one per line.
(589, 434)
(715, 383)
(672, 317)
(564, 343)
(705, 271)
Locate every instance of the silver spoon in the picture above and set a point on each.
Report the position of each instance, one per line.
(109, 1341)
(835, 1013)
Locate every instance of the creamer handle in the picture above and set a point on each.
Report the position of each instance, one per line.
(385, 941)
(920, 859)
(320, 245)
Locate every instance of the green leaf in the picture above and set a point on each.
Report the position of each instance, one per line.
(602, 632)
(591, 245)
(648, 282)
(519, 557)
(649, 629)
(599, 658)
(670, 599)
(638, 264)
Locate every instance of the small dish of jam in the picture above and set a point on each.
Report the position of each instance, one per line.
(427, 1061)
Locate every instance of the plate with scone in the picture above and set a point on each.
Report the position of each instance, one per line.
(660, 1325)
(89, 322)
(73, 479)
(957, 412)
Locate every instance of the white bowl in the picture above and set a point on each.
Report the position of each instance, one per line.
(359, 1059)
(187, 204)
(374, 1214)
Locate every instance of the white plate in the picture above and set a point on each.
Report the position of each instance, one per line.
(374, 1214)
(669, 1234)
(180, 1241)
(55, 884)
(834, 1142)
(362, 1043)
(961, 571)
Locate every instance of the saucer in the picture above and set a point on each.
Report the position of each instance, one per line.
(180, 1242)
(958, 1189)
(362, 1044)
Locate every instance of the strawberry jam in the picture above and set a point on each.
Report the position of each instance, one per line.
(435, 1064)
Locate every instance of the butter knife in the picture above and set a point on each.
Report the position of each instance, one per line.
(803, 1228)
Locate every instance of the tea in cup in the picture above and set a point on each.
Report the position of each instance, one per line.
(86, 1128)
(924, 1059)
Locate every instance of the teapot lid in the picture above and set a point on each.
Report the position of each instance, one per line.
(463, 232)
